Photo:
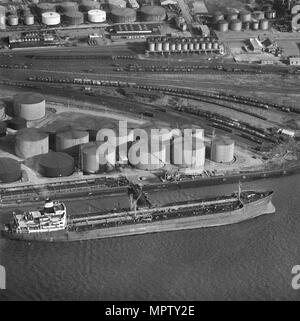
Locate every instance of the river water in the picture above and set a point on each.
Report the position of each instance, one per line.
(247, 261)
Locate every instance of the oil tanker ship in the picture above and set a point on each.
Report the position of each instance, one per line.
(52, 224)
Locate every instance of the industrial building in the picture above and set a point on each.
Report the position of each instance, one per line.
(30, 142)
(69, 138)
(56, 164)
(222, 149)
(10, 170)
(30, 106)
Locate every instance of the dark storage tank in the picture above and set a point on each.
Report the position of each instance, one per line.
(17, 123)
(3, 128)
(56, 164)
(10, 170)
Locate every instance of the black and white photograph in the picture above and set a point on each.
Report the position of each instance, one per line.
(149, 153)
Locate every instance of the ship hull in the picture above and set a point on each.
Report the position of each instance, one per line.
(248, 211)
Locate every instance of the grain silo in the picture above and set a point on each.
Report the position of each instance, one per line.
(87, 5)
(68, 6)
(10, 170)
(30, 106)
(152, 13)
(69, 138)
(223, 25)
(96, 15)
(56, 164)
(74, 18)
(236, 25)
(46, 7)
(222, 149)
(115, 4)
(50, 18)
(125, 15)
(31, 142)
(92, 160)
(16, 123)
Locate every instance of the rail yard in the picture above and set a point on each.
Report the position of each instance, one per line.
(69, 69)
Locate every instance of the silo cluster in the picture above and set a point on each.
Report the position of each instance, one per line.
(56, 164)
(30, 142)
(152, 13)
(69, 138)
(30, 106)
(125, 15)
(10, 170)
(179, 45)
(222, 149)
(96, 15)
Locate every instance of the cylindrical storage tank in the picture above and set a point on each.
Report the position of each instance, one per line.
(70, 138)
(28, 19)
(10, 170)
(269, 14)
(16, 123)
(166, 46)
(232, 14)
(91, 163)
(51, 18)
(13, 20)
(203, 46)
(191, 46)
(56, 164)
(96, 15)
(255, 25)
(68, 6)
(218, 15)
(151, 46)
(208, 45)
(74, 18)
(236, 25)
(125, 15)
(245, 16)
(178, 46)
(46, 7)
(31, 142)
(173, 46)
(147, 160)
(264, 24)
(3, 128)
(30, 106)
(87, 5)
(222, 150)
(197, 46)
(185, 46)
(116, 4)
(246, 25)
(158, 46)
(152, 13)
(258, 15)
(215, 45)
(222, 25)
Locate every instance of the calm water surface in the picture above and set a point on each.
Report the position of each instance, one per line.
(246, 261)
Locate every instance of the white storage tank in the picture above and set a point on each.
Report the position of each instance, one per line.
(28, 19)
(96, 15)
(222, 149)
(69, 138)
(92, 160)
(51, 18)
(31, 142)
(13, 20)
(30, 106)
